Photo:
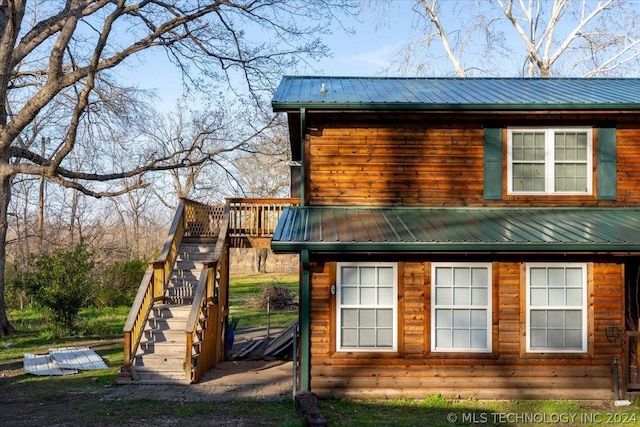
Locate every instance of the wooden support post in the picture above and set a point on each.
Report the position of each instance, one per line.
(305, 323)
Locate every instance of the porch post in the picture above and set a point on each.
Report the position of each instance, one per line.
(305, 323)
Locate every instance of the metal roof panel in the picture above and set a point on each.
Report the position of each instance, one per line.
(456, 93)
(321, 228)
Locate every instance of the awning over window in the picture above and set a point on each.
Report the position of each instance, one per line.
(347, 229)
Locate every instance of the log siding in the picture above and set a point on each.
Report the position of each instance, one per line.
(507, 373)
(418, 160)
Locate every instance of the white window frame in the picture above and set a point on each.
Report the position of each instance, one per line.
(550, 160)
(435, 306)
(583, 307)
(393, 305)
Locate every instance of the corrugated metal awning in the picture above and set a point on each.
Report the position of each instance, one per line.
(375, 93)
(355, 229)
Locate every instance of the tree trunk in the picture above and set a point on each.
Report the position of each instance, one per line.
(6, 328)
(261, 260)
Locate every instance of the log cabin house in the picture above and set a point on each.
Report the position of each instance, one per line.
(470, 237)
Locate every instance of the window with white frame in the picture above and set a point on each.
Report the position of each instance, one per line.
(556, 307)
(461, 307)
(549, 161)
(367, 307)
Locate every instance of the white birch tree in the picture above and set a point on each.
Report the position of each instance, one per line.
(532, 38)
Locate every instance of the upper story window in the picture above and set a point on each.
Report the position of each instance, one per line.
(549, 161)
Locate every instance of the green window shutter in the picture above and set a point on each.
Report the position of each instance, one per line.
(607, 167)
(493, 163)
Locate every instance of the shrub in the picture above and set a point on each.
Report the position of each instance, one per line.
(119, 283)
(62, 283)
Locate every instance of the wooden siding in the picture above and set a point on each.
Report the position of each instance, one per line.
(506, 373)
(415, 160)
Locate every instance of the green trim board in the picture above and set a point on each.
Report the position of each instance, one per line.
(464, 229)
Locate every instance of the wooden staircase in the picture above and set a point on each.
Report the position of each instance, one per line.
(176, 328)
(161, 355)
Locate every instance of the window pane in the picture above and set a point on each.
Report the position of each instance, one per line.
(538, 338)
(556, 276)
(443, 338)
(367, 318)
(555, 339)
(574, 297)
(479, 319)
(538, 297)
(385, 295)
(479, 277)
(349, 276)
(349, 318)
(368, 296)
(479, 296)
(368, 276)
(538, 319)
(385, 338)
(444, 296)
(385, 276)
(385, 318)
(556, 297)
(555, 319)
(574, 277)
(538, 277)
(461, 319)
(444, 276)
(461, 296)
(443, 319)
(574, 339)
(349, 295)
(349, 337)
(461, 277)
(478, 338)
(574, 319)
(367, 337)
(461, 338)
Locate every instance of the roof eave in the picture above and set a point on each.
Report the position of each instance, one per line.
(296, 106)
(466, 247)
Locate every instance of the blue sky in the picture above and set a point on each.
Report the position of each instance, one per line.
(371, 48)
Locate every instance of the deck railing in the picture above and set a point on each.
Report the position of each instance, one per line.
(256, 217)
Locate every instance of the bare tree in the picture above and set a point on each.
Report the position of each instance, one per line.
(571, 38)
(55, 58)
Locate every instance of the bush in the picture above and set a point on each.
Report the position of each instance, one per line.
(119, 283)
(62, 283)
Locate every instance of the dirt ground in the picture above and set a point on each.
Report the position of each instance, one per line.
(232, 394)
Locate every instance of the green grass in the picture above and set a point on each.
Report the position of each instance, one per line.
(244, 287)
(61, 400)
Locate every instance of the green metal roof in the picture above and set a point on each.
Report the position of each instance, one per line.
(296, 92)
(342, 229)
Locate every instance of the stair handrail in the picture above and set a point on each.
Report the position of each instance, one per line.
(151, 289)
(208, 306)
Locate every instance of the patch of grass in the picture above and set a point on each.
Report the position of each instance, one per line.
(437, 411)
(244, 287)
